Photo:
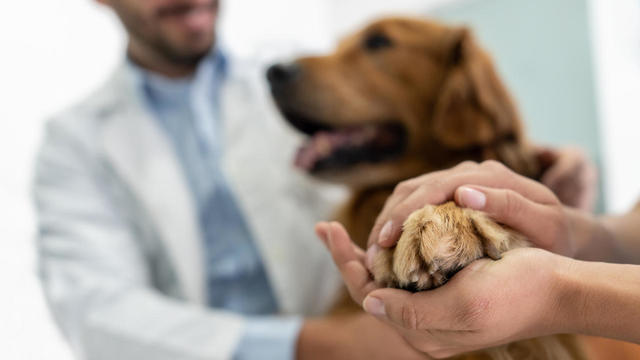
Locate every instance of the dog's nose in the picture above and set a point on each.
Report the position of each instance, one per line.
(282, 74)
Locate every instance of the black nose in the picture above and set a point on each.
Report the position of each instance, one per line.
(282, 74)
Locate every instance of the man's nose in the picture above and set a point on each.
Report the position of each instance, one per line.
(282, 74)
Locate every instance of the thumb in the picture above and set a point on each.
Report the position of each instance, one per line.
(538, 222)
(412, 311)
(394, 305)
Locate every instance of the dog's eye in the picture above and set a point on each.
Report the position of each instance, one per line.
(377, 41)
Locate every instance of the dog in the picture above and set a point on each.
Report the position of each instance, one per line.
(398, 99)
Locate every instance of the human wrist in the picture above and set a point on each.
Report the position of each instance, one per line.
(599, 299)
(619, 243)
(567, 296)
(550, 275)
(592, 239)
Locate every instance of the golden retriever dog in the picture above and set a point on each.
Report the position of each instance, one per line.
(400, 98)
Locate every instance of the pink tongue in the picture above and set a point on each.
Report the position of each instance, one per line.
(324, 143)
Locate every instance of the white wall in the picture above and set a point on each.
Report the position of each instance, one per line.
(250, 26)
(347, 15)
(53, 52)
(616, 39)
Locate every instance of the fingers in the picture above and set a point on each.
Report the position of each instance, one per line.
(407, 197)
(322, 229)
(573, 178)
(456, 307)
(392, 304)
(392, 228)
(383, 229)
(422, 319)
(386, 231)
(431, 310)
(568, 161)
(438, 187)
(546, 156)
(349, 259)
(542, 224)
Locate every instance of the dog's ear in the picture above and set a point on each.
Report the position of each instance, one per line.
(473, 107)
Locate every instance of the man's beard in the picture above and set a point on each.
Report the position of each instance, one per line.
(160, 44)
(176, 56)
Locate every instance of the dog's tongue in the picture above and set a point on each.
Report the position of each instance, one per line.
(323, 144)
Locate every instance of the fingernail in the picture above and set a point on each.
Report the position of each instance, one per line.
(374, 306)
(330, 237)
(385, 232)
(371, 255)
(472, 198)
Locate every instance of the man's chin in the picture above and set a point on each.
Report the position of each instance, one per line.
(190, 50)
(191, 58)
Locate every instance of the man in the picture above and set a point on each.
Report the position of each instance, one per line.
(169, 224)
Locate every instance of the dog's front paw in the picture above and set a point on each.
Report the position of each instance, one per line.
(438, 241)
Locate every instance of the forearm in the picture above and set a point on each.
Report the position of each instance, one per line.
(600, 299)
(625, 230)
(614, 239)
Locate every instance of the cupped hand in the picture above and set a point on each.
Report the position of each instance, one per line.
(486, 304)
(511, 199)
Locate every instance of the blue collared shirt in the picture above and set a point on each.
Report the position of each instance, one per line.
(188, 110)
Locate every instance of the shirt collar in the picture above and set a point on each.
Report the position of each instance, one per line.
(153, 85)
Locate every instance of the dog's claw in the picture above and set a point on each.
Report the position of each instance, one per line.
(437, 242)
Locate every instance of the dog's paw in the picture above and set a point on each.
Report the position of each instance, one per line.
(438, 241)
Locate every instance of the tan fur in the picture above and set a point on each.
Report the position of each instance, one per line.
(436, 242)
(435, 81)
(443, 89)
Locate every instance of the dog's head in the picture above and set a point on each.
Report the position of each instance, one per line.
(400, 97)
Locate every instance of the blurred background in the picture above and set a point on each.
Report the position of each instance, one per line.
(573, 66)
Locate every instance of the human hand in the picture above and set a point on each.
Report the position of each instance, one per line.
(487, 304)
(570, 175)
(508, 198)
(474, 310)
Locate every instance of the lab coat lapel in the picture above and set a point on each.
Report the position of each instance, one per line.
(142, 155)
(253, 161)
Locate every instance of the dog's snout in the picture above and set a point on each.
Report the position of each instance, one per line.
(282, 74)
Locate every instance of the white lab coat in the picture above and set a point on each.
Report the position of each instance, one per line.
(120, 248)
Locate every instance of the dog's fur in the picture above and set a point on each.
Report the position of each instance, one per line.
(438, 95)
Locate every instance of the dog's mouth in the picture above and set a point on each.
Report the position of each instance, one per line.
(339, 148)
